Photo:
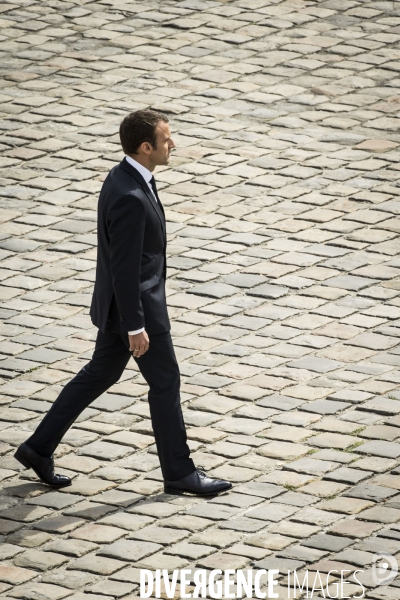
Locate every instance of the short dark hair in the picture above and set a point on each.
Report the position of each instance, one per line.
(138, 127)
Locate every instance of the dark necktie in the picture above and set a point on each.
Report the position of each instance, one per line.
(154, 188)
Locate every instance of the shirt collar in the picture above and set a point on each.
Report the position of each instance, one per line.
(145, 173)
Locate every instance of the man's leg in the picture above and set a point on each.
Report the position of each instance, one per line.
(160, 369)
(109, 360)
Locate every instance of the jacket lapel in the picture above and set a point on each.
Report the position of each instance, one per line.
(157, 207)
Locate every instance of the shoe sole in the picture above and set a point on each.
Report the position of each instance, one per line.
(175, 492)
(28, 466)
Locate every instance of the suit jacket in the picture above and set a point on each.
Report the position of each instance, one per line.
(129, 291)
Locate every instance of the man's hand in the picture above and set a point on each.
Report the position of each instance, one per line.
(139, 344)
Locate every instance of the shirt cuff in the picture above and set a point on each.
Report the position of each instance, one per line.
(137, 331)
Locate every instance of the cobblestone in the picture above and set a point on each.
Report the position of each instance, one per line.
(282, 203)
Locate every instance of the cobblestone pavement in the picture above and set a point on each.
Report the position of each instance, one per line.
(283, 287)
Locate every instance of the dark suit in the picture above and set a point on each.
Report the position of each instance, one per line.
(129, 293)
(131, 263)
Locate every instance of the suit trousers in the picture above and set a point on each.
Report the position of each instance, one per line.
(159, 368)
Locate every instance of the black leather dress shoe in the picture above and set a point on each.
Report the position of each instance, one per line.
(196, 483)
(42, 465)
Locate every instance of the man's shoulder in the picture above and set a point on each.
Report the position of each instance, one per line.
(119, 182)
(121, 175)
(121, 195)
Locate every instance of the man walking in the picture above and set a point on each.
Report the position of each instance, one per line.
(129, 308)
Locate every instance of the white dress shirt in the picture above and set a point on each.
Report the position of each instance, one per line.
(146, 174)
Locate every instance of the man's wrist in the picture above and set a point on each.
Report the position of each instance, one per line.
(136, 331)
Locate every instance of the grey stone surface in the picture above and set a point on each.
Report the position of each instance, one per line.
(282, 203)
(371, 492)
(332, 543)
(380, 448)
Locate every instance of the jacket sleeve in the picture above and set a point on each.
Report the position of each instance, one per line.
(126, 224)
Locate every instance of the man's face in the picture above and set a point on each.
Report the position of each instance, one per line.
(160, 154)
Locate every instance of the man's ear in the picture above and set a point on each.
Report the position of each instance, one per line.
(146, 147)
